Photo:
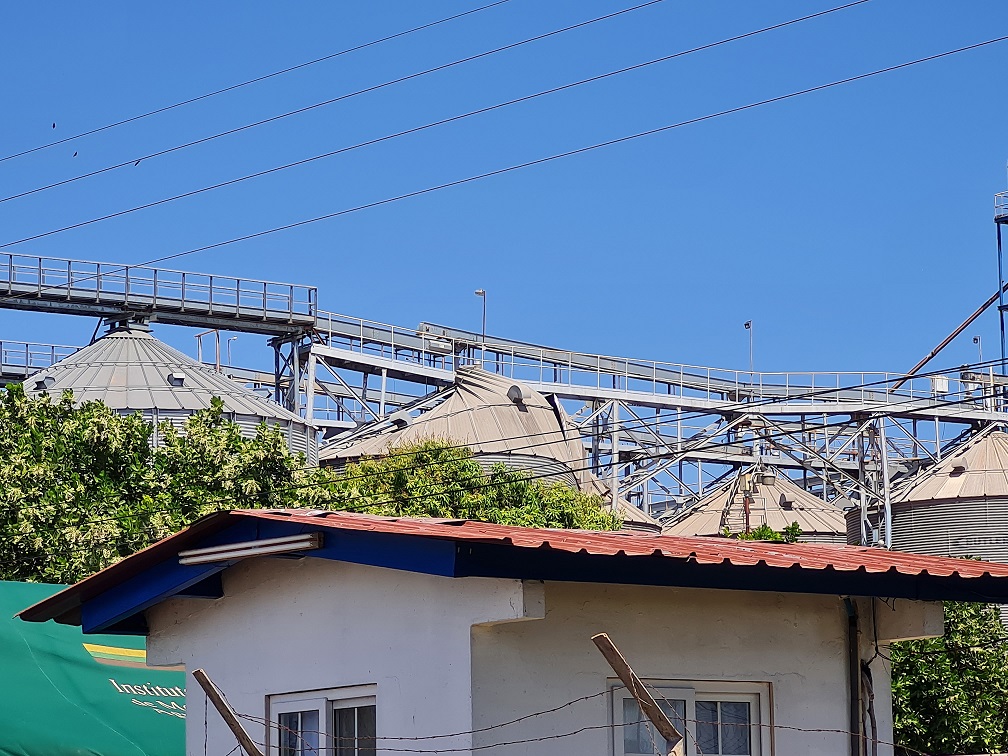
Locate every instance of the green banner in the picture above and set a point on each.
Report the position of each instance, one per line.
(63, 692)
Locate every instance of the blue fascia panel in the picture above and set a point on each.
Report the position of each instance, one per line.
(169, 578)
(156, 584)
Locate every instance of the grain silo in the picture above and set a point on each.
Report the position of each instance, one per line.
(130, 371)
(959, 506)
(502, 421)
(762, 495)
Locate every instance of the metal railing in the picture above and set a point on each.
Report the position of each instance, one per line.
(577, 370)
(22, 358)
(53, 278)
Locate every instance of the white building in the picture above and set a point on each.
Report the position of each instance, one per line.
(421, 636)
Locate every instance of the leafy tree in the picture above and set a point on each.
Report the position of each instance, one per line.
(82, 486)
(435, 479)
(950, 694)
(764, 532)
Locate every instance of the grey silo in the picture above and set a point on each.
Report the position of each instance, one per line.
(130, 371)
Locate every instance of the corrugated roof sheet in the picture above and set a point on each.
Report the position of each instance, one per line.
(977, 470)
(777, 505)
(701, 550)
(128, 370)
(616, 557)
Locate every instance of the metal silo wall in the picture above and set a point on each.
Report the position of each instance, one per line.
(301, 439)
(956, 528)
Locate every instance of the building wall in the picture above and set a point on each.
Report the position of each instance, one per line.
(285, 626)
(797, 643)
(451, 656)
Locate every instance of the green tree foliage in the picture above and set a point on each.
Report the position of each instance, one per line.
(950, 694)
(764, 532)
(82, 486)
(435, 479)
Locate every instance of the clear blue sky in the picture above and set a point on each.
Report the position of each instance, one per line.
(853, 226)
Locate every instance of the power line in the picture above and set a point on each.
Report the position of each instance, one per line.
(255, 80)
(437, 123)
(324, 103)
(569, 153)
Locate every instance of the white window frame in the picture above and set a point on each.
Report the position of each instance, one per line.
(757, 694)
(322, 701)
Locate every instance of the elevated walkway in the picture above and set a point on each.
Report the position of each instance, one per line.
(111, 290)
(430, 353)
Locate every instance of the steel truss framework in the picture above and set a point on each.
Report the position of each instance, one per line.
(660, 434)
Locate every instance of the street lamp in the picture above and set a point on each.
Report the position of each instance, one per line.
(748, 327)
(229, 349)
(482, 295)
(976, 340)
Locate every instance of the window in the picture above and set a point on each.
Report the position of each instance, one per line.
(721, 719)
(336, 722)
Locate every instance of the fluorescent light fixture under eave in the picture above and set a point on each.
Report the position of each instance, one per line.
(265, 547)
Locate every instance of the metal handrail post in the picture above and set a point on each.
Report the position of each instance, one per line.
(154, 305)
(127, 286)
(183, 292)
(211, 295)
(69, 278)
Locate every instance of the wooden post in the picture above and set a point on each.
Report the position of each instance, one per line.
(226, 712)
(636, 688)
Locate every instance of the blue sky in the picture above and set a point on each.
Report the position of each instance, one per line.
(853, 226)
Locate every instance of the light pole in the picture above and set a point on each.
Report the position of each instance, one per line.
(233, 338)
(748, 327)
(976, 340)
(482, 295)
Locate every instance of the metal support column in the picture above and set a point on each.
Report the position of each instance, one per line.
(886, 490)
(614, 414)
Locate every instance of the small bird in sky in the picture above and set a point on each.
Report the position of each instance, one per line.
(54, 124)
(75, 154)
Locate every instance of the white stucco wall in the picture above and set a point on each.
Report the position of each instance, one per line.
(454, 655)
(797, 643)
(286, 626)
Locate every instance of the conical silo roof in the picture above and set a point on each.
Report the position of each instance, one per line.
(777, 504)
(489, 413)
(130, 371)
(501, 420)
(977, 470)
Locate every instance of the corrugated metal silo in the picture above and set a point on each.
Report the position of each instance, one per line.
(130, 371)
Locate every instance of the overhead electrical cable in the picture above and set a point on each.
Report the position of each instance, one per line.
(256, 80)
(409, 77)
(433, 124)
(561, 155)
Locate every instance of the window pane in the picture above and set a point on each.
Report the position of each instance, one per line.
(636, 736)
(298, 733)
(706, 728)
(344, 720)
(310, 733)
(366, 730)
(640, 736)
(735, 728)
(288, 734)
